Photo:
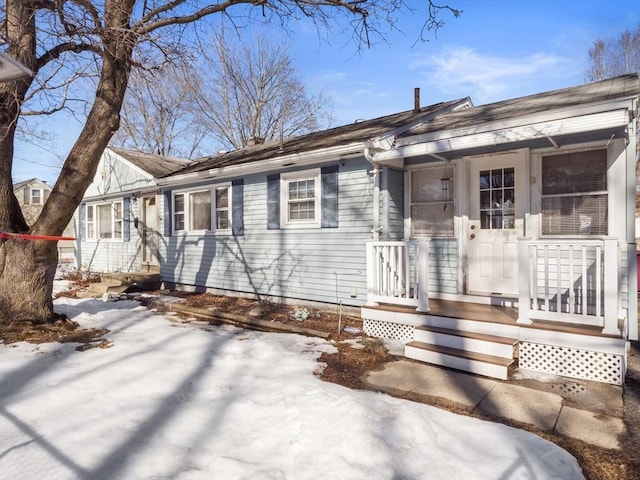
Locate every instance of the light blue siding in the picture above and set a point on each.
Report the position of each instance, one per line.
(294, 263)
(444, 268)
(392, 204)
(109, 255)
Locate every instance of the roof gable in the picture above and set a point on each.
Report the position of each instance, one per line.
(153, 165)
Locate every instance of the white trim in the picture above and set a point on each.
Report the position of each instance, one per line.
(285, 179)
(454, 140)
(96, 221)
(187, 192)
(562, 115)
(302, 159)
(31, 190)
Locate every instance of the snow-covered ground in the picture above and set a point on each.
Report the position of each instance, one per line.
(177, 401)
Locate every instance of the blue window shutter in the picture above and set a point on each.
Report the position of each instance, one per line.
(273, 201)
(126, 219)
(166, 217)
(329, 204)
(237, 206)
(82, 222)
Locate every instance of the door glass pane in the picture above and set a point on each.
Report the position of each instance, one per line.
(485, 200)
(497, 198)
(496, 178)
(509, 177)
(484, 180)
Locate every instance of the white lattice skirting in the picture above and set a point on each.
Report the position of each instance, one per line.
(572, 362)
(396, 331)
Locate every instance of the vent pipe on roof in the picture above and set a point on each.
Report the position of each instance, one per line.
(253, 141)
(416, 99)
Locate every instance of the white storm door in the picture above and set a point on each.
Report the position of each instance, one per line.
(497, 204)
(150, 231)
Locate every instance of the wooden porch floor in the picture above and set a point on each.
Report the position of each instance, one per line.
(493, 314)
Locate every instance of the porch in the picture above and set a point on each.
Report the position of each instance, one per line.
(565, 319)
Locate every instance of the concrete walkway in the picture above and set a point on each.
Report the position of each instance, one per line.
(589, 411)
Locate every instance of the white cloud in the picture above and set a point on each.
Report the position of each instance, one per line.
(462, 71)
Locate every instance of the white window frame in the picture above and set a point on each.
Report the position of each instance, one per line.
(40, 192)
(299, 176)
(605, 193)
(187, 213)
(95, 223)
(451, 202)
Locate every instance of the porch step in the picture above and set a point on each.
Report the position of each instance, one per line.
(469, 341)
(478, 363)
(120, 282)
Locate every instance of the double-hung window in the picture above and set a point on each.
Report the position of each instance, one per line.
(574, 193)
(205, 210)
(36, 196)
(104, 221)
(301, 198)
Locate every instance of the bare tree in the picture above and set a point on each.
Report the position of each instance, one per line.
(101, 40)
(614, 57)
(159, 113)
(252, 91)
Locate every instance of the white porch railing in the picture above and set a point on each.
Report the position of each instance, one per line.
(569, 281)
(397, 273)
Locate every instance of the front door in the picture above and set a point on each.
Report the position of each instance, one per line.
(149, 231)
(497, 204)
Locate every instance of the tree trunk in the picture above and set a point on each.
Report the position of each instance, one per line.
(26, 281)
(27, 268)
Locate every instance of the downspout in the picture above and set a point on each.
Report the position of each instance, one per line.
(377, 227)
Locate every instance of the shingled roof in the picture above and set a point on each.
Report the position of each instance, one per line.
(155, 165)
(617, 87)
(359, 131)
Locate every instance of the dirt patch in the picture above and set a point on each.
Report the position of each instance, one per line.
(61, 330)
(314, 319)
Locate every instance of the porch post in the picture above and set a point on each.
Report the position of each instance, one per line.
(423, 275)
(371, 274)
(524, 278)
(611, 266)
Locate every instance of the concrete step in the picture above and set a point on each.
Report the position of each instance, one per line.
(469, 341)
(478, 363)
(121, 282)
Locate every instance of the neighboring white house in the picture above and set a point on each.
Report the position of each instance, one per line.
(483, 236)
(31, 195)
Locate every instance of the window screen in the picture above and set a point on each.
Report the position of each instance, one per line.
(574, 194)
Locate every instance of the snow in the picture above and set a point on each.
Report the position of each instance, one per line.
(171, 400)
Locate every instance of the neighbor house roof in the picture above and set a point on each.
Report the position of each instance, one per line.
(155, 165)
(19, 185)
(359, 131)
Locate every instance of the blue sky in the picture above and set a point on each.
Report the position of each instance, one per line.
(494, 51)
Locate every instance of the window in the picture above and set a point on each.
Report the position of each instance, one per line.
(198, 211)
(36, 196)
(104, 221)
(574, 193)
(301, 198)
(432, 202)
(222, 208)
(497, 199)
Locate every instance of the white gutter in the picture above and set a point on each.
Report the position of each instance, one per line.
(510, 123)
(259, 166)
(453, 140)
